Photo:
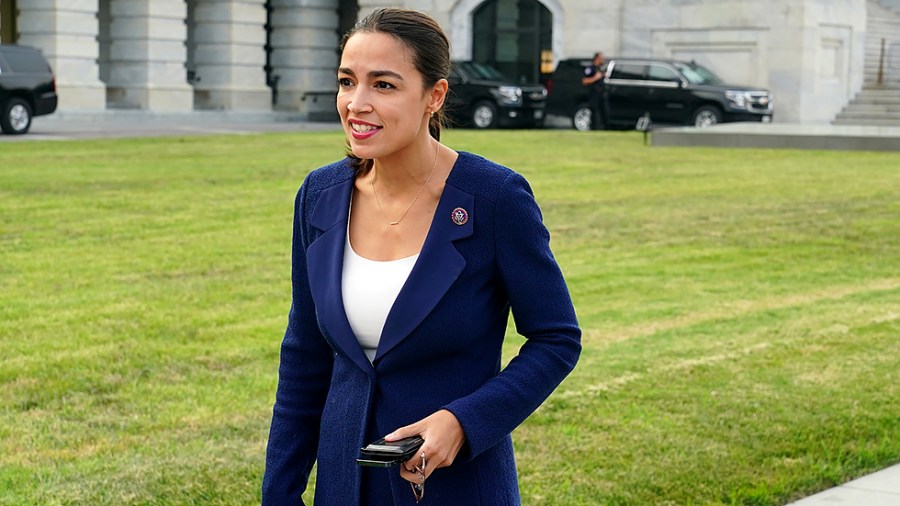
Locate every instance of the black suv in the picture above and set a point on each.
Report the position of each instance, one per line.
(27, 88)
(667, 91)
(482, 97)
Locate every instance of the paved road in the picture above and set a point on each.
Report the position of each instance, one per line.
(118, 124)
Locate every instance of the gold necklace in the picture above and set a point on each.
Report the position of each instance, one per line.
(375, 175)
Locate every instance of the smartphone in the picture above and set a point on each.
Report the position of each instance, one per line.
(383, 453)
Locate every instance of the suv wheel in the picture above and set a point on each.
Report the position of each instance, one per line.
(707, 115)
(581, 120)
(484, 115)
(16, 117)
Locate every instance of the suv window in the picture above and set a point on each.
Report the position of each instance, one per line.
(22, 61)
(631, 71)
(696, 74)
(662, 73)
(481, 71)
(454, 75)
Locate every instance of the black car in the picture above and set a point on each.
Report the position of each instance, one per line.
(482, 97)
(669, 92)
(27, 88)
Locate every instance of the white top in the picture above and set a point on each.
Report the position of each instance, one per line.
(370, 288)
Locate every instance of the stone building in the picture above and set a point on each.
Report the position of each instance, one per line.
(260, 55)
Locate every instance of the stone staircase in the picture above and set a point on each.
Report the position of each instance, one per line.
(878, 104)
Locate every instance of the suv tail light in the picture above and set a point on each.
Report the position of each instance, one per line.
(549, 86)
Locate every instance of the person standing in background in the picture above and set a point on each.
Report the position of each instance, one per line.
(594, 75)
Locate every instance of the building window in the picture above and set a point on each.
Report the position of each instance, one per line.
(511, 35)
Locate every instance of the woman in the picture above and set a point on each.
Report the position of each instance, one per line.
(407, 257)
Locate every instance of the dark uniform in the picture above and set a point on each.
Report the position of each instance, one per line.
(597, 97)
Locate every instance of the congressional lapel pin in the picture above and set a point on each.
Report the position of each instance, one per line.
(459, 216)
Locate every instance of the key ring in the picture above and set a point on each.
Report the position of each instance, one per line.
(419, 488)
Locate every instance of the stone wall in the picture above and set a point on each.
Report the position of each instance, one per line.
(809, 53)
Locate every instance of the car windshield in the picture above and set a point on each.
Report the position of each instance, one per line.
(482, 71)
(695, 74)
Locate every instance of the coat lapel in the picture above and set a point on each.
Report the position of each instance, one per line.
(325, 263)
(438, 266)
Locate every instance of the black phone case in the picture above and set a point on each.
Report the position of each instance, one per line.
(383, 453)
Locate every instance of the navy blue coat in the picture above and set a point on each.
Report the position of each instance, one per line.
(440, 347)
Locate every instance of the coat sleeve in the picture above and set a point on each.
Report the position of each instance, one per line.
(303, 380)
(543, 313)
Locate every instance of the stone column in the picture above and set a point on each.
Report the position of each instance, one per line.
(66, 32)
(304, 55)
(227, 50)
(147, 56)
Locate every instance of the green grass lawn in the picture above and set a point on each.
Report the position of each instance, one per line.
(741, 316)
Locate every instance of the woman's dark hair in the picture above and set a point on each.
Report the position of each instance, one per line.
(428, 45)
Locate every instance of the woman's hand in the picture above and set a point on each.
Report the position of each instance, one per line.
(443, 437)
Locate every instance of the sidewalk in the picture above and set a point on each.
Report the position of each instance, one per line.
(877, 489)
(119, 123)
(70, 125)
(782, 135)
